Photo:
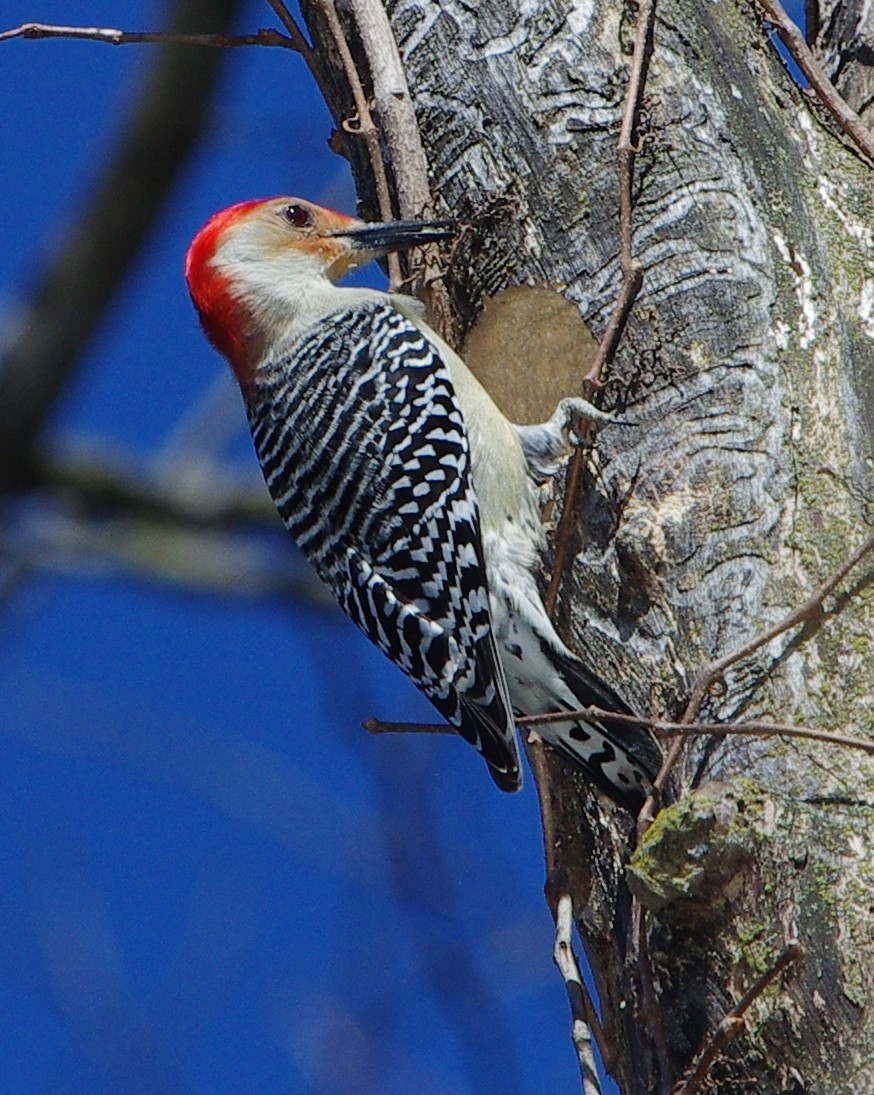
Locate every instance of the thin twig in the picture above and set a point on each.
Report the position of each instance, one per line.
(297, 36)
(792, 38)
(578, 996)
(537, 760)
(632, 279)
(661, 727)
(363, 126)
(304, 49)
(114, 37)
(564, 530)
(665, 728)
(559, 884)
(632, 275)
(393, 105)
(764, 730)
(734, 1021)
(810, 610)
(377, 726)
(610, 340)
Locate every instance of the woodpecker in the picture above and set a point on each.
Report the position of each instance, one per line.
(411, 494)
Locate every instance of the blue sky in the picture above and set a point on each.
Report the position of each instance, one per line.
(211, 879)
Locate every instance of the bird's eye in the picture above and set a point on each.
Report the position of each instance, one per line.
(297, 216)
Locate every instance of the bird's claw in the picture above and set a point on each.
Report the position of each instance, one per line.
(572, 411)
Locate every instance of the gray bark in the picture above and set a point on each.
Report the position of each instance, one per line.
(748, 366)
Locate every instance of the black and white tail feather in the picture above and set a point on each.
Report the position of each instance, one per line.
(621, 759)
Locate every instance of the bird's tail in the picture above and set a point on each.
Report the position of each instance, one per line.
(621, 759)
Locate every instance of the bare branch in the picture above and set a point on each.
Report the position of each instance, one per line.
(631, 283)
(632, 275)
(811, 609)
(564, 530)
(649, 1013)
(764, 730)
(632, 279)
(397, 120)
(693, 729)
(658, 726)
(363, 125)
(794, 41)
(114, 37)
(99, 478)
(300, 43)
(578, 997)
(377, 726)
(394, 108)
(194, 558)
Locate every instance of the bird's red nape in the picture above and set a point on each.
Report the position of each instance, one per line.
(222, 315)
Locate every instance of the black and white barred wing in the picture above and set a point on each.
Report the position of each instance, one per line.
(363, 448)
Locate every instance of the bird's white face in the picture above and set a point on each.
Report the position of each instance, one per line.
(288, 237)
(258, 268)
(251, 264)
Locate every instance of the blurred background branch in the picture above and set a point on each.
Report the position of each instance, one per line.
(97, 246)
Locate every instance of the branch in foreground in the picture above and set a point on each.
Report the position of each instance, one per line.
(114, 37)
(659, 726)
(811, 609)
(692, 729)
(98, 478)
(214, 561)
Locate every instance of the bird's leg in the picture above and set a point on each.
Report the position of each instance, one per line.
(546, 445)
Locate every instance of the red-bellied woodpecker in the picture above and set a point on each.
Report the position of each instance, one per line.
(401, 481)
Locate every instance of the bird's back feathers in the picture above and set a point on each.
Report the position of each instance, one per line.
(363, 448)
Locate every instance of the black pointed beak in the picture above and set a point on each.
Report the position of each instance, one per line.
(380, 238)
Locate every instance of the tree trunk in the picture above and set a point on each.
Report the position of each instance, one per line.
(747, 367)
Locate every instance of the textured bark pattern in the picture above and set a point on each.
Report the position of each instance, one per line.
(749, 367)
